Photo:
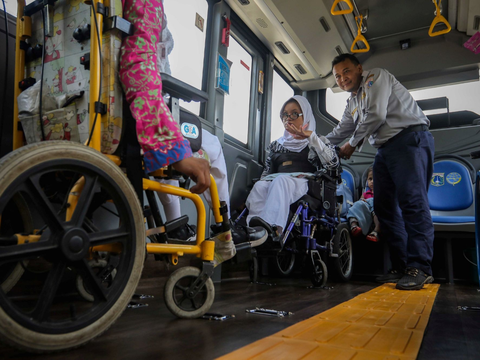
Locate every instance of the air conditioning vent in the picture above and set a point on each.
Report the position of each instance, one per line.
(339, 50)
(244, 2)
(262, 23)
(282, 47)
(324, 23)
(300, 69)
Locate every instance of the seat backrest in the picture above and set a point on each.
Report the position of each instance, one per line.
(350, 179)
(450, 186)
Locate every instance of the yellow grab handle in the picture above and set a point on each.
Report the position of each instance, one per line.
(341, 12)
(359, 37)
(439, 18)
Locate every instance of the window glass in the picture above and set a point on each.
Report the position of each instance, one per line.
(11, 6)
(281, 93)
(460, 96)
(237, 103)
(186, 58)
(336, 102)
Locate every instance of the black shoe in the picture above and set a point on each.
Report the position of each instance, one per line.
(413, 279)
(257, 221)
(254, 235)
(392, 276)
(183, 234)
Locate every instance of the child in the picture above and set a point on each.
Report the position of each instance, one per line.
(361, 214)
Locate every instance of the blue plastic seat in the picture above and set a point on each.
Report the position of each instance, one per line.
(452, 203)
(450, 194)
(351, 179)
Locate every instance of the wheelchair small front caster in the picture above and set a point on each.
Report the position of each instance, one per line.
(180, 301)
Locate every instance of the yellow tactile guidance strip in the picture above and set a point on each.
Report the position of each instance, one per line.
(383, 323)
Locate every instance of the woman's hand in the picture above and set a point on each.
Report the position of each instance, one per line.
(298, 133)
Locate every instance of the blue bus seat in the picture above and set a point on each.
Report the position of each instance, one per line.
(450, 194)
(351, 179)
(452, 203)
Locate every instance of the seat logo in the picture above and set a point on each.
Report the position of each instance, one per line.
(454, 178)
(190, 130)
(438, 179)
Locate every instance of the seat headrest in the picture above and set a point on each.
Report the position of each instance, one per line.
(191, 128)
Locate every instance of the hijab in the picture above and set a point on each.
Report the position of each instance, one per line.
(287, 140)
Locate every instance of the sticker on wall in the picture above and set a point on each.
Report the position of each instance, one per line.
(223, 74)
(454, 178)
(438, 179)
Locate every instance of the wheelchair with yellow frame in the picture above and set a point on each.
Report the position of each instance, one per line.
(73, 237)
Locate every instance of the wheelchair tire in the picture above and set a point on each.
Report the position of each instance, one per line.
(48, 317)
(319, 274)
(176, 297)
(342, 245)
(284, 261)
(19, 218)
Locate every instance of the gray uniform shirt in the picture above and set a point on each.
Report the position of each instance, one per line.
(381, 109)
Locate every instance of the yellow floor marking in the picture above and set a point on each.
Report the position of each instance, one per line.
(383, 323)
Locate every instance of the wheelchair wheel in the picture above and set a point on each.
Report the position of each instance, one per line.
(17, 219)
(177, 298)
(342, 245)
(320, 273)
(42, 312)
(285, 260)
(102, 270)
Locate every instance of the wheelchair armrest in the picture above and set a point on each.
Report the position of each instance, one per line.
(178, 89)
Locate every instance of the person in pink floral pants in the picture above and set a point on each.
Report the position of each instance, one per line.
(157, 132)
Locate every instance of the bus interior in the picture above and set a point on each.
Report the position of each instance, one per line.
(232, 64)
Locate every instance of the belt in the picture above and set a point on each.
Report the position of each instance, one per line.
(413, 128)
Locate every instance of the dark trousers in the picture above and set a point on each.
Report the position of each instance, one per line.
(402, 171)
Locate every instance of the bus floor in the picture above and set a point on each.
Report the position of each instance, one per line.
(152, 332)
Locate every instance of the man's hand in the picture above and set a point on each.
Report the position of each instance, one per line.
(198, 170)
(298, 133)
(346, 151)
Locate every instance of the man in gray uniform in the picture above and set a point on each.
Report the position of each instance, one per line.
(381, 109)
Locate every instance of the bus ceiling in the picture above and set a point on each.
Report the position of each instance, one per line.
(304, 37)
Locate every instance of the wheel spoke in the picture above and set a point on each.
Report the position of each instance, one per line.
(26, 251)
(108, 237)
(42, 204)
(84, 201)
(91, 280)
(49, 290)
(177, 286)
(195, 306)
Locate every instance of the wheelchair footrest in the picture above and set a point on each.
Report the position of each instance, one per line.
(174, 224)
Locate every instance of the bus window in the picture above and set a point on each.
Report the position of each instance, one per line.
(462, 96)
(336, 102)
(281, 92)
(237, 102)
(186, 58)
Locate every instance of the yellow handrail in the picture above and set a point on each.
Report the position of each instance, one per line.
(359, 37)
(439, 19)
(341, 12)
(95, 48)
